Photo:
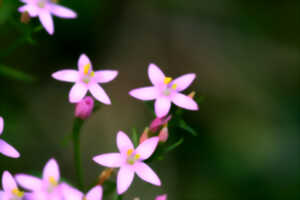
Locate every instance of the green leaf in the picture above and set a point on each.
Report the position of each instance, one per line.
(135, 137)
(187, 128)
(175, 145)
(15, 74)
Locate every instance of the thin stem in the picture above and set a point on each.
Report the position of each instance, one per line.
(76, 142)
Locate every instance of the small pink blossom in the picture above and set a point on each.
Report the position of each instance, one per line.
(10, 188)
(44, 9)
(5, 148)
(158, 122)
(86, 80)
(161, 197)
(84, 108)
(71, 193)
(130, 161)
(166, 90)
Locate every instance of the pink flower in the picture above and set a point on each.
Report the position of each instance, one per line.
(158, 122)
(44, 9)
(5, 148)
(166, 90)
(163, 134)
(84, 108)
(86, 80)
(161, 197)
(71, 193)
(10, 188)
(46, 188)
(130, 161)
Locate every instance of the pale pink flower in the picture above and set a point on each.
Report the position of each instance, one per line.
(130, 161)
(10, 188)
(84, 108)
(86, 80)
(71, 193)
(161, 197)
(46, 188)
(5, 148)
(44, 9)
(166, 90)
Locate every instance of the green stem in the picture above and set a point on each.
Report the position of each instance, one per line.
(76, 142)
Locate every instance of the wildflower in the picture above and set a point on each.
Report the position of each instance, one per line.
(161, 197)
(166, 90)
(86, 80)
(84, 108)
(163, 134)
(158, 122)
(5, 148)
(70, 193)
(130, 161)
(47, 187)
(10, 188)
(44, 9)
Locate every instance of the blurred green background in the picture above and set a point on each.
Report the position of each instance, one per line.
(246, 55)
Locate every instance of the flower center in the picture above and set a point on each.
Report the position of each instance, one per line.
(167, 81)
(41, 3)
(17, 193)
(52, 181)
(88, 74)
(84, 198)
(132, 157)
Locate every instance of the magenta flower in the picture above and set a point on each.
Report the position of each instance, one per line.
(161, 197)
(86, 80)
(5, 148)
(47, 188)
(44, 9)
(71, 193)
(84, 108)
(130, 161)
(166, 90)
(10, 188)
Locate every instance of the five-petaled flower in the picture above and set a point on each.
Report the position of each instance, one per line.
(10, 188)
(70, 193)
(86, 80)
(44, 9)
(5, 148)
(46, 188)
(166, 90)
(130, 161)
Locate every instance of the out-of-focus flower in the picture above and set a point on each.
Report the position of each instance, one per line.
(84, 108)
(166, 90)
(105, 174)
(145, 135)
(47, 188)
(44, 9)
(86, 80)
(158, 122)
(130, 161)
(10, 188)
(163, 134)
(70, 193)
(25, 17)
(5, 148)
(161, 197)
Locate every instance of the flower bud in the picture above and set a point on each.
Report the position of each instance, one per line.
(163, 134)
(158, 122)
(84, 108)
(25, 17)
(161, 197)
(144, 135)
(192, 94)
(105, 175)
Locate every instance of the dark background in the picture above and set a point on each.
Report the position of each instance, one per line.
(245, 54)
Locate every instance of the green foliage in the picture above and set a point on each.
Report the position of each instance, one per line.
(135, 137)
(14, 74)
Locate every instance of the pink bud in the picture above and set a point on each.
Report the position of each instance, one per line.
(84, 108)
(161, 197)
(158, 122)
(144, 135)
(163, 134)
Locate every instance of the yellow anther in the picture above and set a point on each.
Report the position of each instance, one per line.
(84, 198)
(137, 156)
(52, 181)
(174, 86)
(167, 80)
(92, 74)
(86, 69)
(129, 152)
(17, 192)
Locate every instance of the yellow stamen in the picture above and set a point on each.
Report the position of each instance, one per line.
(92, 74)
(52, 181)
(86, 69)
(129, 152)
(174, 86)
(17, 192)
(167, 80)
(84, 198)
(137, 156)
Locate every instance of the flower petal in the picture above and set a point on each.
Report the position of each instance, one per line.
(98, 92)
(47, 21)
(109, 159)
(8, 182)
(162, 106)
(61, 11)
(123, 142)
(29, 182)
(124, 179)
(184, 81)
(155, 74)
(51, 169)
(83, 60)
(67, 75)
(1, 125)
(31, 9)
(161, 197)
(77, 92)
(104, 76)
(146, 173)
(8, 150)
(146, 149)
(184, 101)
(144, 93)
(70, 193)
(95, 193)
